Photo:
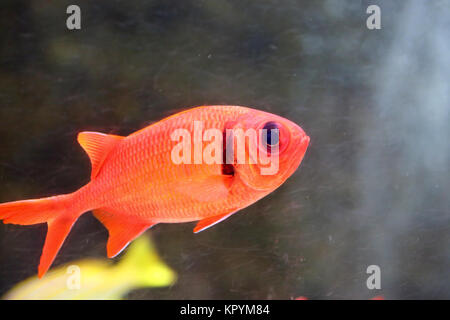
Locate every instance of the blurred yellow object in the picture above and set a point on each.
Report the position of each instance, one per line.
(93, 279)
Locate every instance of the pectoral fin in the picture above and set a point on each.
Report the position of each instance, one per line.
(209, 222)
(211, 188)
(121, 231)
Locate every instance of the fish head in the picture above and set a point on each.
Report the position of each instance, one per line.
(274, 148)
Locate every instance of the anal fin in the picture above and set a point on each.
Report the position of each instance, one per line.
(121, 230)
(209, 222)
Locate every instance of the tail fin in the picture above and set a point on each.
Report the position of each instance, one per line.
(58, 214)
(142, 265)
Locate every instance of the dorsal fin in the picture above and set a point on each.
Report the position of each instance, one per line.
(97, 145)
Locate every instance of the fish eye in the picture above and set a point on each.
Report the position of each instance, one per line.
(272, 137)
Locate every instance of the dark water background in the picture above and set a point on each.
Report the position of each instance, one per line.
(373, 187)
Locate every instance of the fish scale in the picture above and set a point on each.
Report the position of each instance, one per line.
(144, 140)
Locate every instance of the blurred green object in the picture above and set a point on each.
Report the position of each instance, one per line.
(95, 279)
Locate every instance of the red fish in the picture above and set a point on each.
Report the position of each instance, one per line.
(136, 182)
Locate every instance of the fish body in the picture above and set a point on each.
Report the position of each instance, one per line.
(96, 279)
(135, 182)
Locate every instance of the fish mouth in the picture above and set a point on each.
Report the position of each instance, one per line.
(301, 139)
(300, 151)
(305, 141)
